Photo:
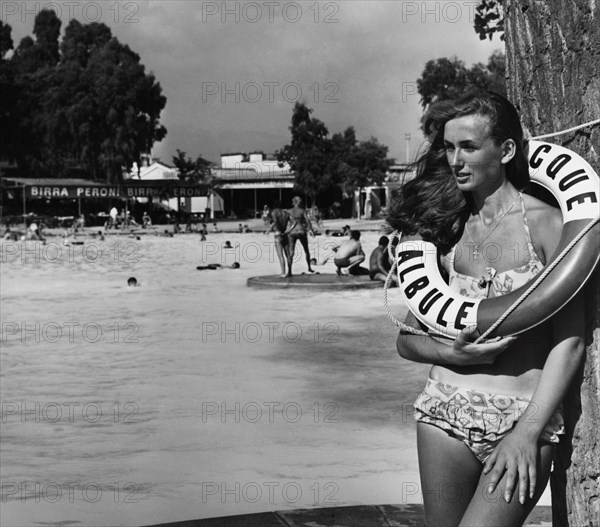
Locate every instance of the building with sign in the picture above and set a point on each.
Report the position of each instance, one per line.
(65, 197)
(50, 188)
(248, 182)
(240, 187)
(184, 197)
(58, 197)
(156, 170)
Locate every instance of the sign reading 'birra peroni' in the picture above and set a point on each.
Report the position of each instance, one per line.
(137, 191)
(60, 191)
(172, 191)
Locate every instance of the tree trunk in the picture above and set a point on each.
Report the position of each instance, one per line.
(553, 62)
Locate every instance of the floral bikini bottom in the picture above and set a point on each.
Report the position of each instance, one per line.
(478, 419)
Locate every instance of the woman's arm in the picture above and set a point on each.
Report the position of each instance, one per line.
(517, 453)
(463, 352)
(308, 223)
(290, 227)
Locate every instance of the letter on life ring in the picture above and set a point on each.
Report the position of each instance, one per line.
(576, 187)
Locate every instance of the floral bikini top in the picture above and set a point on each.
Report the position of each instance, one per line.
(501, 283)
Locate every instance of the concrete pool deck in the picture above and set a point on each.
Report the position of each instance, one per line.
(356, 516)
(315, 281)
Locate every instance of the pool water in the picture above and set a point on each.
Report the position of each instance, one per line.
(194, 396)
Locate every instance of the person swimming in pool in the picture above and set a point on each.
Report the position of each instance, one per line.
(214, 267)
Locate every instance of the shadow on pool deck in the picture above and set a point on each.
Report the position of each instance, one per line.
(358, 516)
(318, 282)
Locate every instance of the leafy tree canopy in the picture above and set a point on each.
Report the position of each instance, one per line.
(6, 41)
(7, 89)
(489, 19)
(446, 78)
(192, 171)
(85, 103)
(370, 162)
(354, 164)
(308, 153)
(343, 146)
(322, 162)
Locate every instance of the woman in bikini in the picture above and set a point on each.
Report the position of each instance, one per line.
(489, 415)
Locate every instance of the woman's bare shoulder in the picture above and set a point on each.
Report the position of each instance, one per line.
(539, 211)
(545, 223)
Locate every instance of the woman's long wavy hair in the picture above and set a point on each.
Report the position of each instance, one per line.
(431, 204)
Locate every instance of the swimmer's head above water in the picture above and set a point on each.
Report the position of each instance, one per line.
(132, 282)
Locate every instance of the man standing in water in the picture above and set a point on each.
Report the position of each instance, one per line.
(279, 225)
(300, 226)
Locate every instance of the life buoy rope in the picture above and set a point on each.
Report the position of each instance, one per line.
(538, 280)
(577, 190)
(562, 132)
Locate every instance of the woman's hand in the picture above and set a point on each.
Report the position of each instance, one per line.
(516, 455)
(465, 352)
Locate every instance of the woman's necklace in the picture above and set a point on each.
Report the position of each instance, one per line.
(477, 245)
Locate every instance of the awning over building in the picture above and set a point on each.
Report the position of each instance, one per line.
(50, 188)
(249, 178)
(173, 188)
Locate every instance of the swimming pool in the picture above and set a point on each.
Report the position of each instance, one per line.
(193, 395)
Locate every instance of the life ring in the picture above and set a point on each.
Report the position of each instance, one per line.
(576, 187)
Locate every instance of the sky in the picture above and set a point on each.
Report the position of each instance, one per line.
(232, 70)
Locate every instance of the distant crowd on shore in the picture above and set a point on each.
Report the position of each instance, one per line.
(32, 232)
(289, 226)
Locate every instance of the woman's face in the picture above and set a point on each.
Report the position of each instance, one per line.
(476, 160)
